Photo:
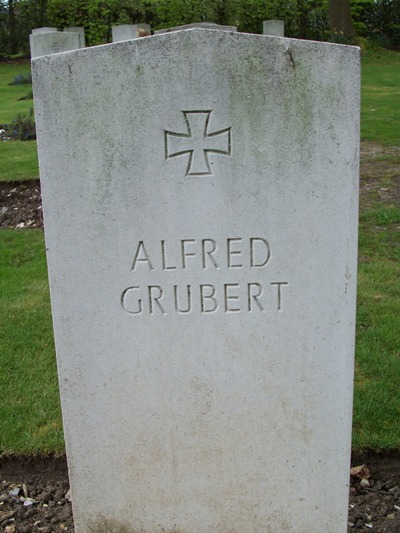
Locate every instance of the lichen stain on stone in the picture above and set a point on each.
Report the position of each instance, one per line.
(103, 525)
(289, 57)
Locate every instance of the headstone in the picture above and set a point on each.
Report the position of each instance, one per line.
(203, 25)
(200, 199)
(53, 42)
(45, 29)
(126, 32)
(81, 31)
(275, 28)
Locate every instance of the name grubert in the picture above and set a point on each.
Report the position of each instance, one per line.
(196, 255)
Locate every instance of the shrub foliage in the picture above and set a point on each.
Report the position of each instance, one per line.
(22, 128)
(378, 20)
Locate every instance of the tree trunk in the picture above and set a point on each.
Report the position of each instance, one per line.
(340, 18)
(12, 34)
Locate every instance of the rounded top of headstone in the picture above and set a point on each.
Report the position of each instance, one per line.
(45, 29)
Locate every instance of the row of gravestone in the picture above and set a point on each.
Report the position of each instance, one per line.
(48, 40)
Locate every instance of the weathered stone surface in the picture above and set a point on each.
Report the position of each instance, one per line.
(200, 199)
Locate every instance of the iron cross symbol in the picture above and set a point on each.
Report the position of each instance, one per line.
(197, 143)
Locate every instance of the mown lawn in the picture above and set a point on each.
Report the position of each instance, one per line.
(380, 97)
(376, 423)
(10, 95)
(18, 159)
(30, 419)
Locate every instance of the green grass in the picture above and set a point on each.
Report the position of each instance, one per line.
(19, 160)
(376, 422)
(380, 97)
(30, 418)
(10, 103)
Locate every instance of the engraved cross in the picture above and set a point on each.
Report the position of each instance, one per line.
(55, 48)
(197, 143)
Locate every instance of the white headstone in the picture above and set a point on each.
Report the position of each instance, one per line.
(275, 28)
(45, 29)
(204, 25)
(200, 197)
(53, 42)
(81, 31)
(126, 32)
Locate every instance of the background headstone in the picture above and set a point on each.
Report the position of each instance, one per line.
(45, 29)
(200, 198)
(204, 25)
(81, 31)
(126, 32)
(275, 28)
(53, 42)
